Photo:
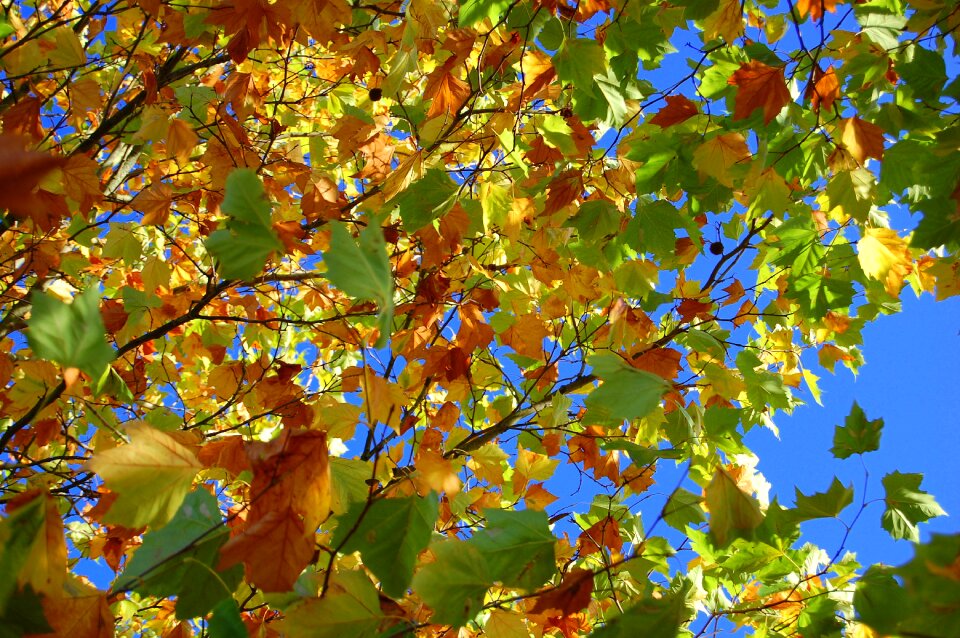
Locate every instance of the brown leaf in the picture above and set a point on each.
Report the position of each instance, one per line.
(816, 8)
(862, 139)
(759, 86)
(155, 202)
(678, 109)
(80, 617)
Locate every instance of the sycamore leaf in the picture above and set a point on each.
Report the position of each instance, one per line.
(71, 334)
(726, 21)
(446, 92)
(518, 547)
(427, 199)
(824, 88)
(473, 11)
(350, 608)
(718, 156)
(678, 109)
(827, 504)
(625, 392)
(759, 87)
(884, 255)
(733, 512)
(651, 618)
(861, 139)
(907, 505)
(17, 535)
(151, 476)
(455, 583)
(389, 534)
(857, 435)
(243, 247)
(86, 616)
(816, 8)
(572, 595)
(578, 60)
(274, 550)
(361, 269)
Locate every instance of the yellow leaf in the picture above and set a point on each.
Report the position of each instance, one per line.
(151, 476)
(884, 255)
(726, 21)
(505, 624)
(718, 155)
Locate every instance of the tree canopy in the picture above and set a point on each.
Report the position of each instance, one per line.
(315, 313)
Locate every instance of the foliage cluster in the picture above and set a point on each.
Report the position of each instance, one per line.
(312, 311)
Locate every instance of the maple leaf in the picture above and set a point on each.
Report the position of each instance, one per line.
(20, 172)
(721, 156)
(861, 139)
(678, 109)
(603, 533)
(151, 476)
(759, 86)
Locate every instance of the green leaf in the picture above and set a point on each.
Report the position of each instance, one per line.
(17, 535)
(361, 269)
(626, 393)
(907, 505)
(818, 295)
(350, 608)
(426, 199)
(578, 60)
(71, 334)
(23, 615)
(473, 11)
(733, 512)
(827, 504)
(683, 508)
(455, 584)
(225, 622)
(348, 482)
(243, 247)
(518, 547)
(857, 435)
(390, 535)
(179, 559)
(924, 71)
(650, 618)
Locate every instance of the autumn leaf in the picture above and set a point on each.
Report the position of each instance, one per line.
(759, 86)
(861, 139)
(274, 550)
(885, 256)
(446, 92)
(151, 476)
(816, 8)
(678, 109)
(823, 89)
(572, 595)
(721, 156)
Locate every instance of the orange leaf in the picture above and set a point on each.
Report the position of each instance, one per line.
(824, 88)
(274, 550)
(226, 453)
(81, 617)
(155, 202)
(81, 182)
(445, 92)
(759, 87)
(537, 497)
(603, 533)
(662, 361)
(678, 109)
(691, 309)
(816, 7)
(862, 139)
(291, 472)
(181, 140)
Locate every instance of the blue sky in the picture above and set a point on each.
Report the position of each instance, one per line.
(911, 381)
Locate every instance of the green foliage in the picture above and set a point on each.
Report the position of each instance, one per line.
(907, 505)
(857, 435)
(72, 334)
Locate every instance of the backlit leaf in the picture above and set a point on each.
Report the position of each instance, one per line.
(759, 86)
(857, 435)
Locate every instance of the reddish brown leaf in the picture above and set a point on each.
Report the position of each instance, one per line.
(80, 617)
(816, 8)
(678, 109)
(603, 533)
(759, 86)
(572, 595)
(662, 361)
(274, 550)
